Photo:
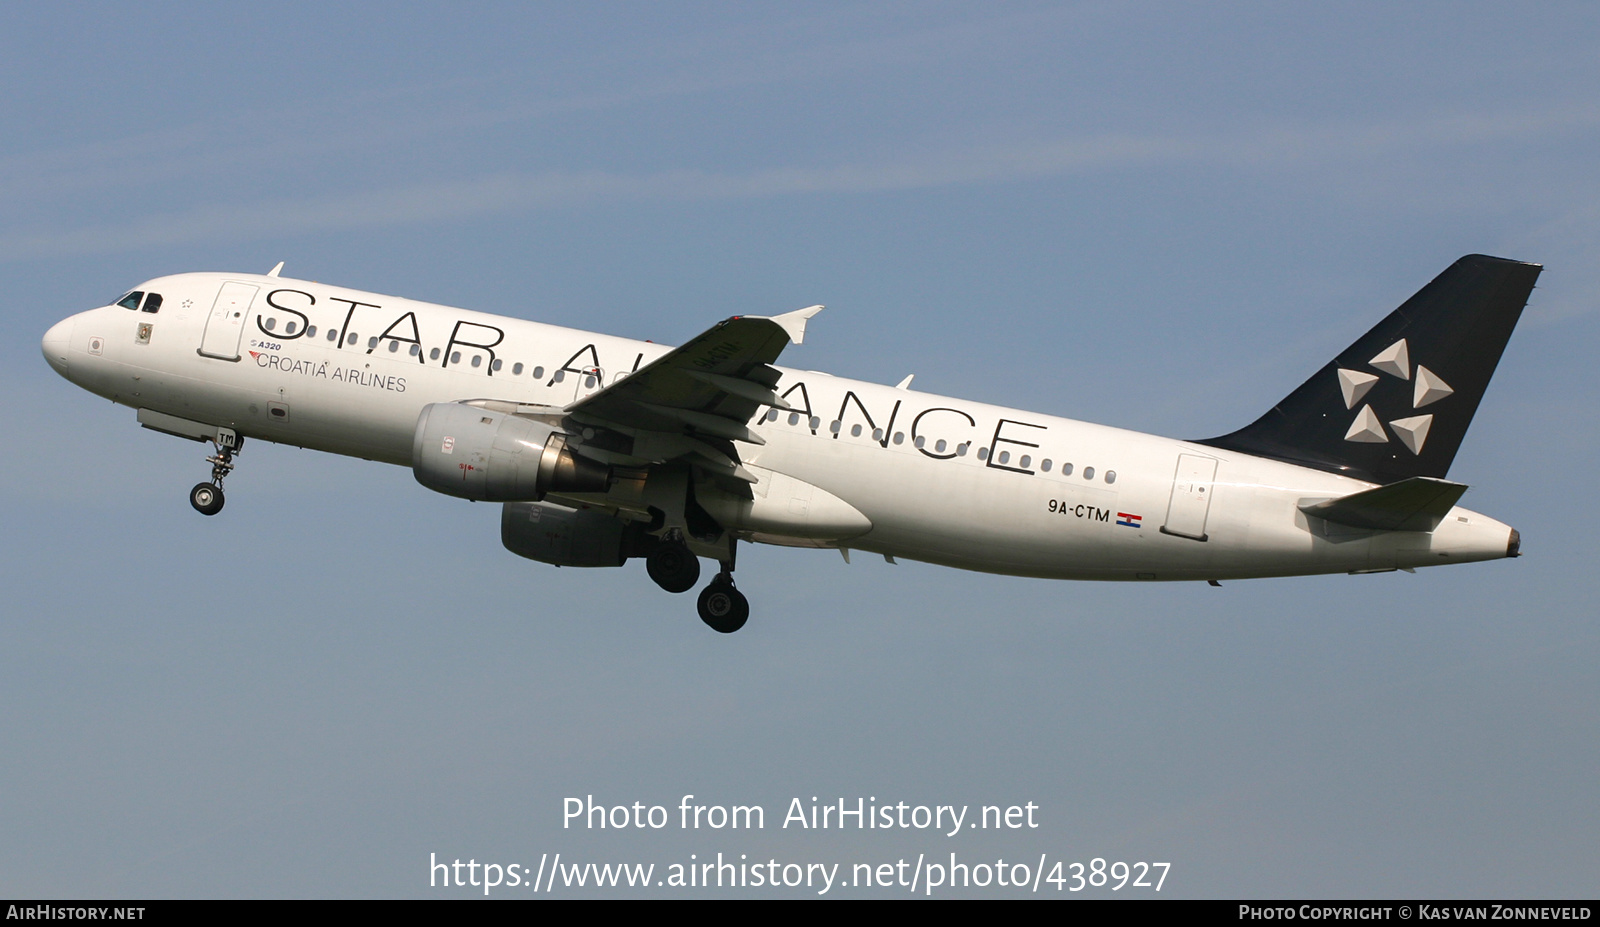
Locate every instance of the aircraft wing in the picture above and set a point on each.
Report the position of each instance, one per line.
(699, 398)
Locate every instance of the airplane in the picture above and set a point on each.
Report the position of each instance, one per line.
(604, 449)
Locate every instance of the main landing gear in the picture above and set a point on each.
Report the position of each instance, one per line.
(675, 568)
(722, 606)
(207, 498)
(672, 565)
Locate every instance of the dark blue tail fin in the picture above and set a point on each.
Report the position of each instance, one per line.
(1397, 403)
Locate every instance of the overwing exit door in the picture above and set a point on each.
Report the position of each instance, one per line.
(588, 383)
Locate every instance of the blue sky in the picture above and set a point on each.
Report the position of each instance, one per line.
(1162, 217)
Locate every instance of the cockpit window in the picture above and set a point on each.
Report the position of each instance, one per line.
(131, 301)
(152, 303)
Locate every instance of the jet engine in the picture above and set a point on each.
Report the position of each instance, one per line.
(488, 456)
(555, 534)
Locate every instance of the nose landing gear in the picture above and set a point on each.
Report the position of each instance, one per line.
(207, 498)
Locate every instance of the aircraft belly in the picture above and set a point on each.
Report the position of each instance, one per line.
(956, 511)
(961, 513)
(786, 508)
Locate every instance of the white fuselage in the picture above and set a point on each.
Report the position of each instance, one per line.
(943, 480)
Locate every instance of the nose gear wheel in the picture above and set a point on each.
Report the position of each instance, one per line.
(206, 498)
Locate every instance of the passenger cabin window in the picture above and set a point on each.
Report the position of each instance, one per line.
(131, 301)
(152, 303)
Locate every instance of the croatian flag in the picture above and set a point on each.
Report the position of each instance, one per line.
(1128, 520)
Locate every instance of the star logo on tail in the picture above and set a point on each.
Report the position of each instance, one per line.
(1395, 361)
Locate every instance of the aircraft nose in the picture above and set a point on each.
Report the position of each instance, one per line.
(55, 344)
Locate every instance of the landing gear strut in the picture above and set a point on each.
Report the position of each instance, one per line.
(672, 565)
(676, 568)
(722, 607)
(207, 498)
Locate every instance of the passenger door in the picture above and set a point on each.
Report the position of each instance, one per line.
(225, 325)
(1191, 497)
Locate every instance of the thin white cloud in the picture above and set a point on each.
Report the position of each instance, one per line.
(1283, 148)
(400, 116)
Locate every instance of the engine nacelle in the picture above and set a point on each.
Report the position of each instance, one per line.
(555, 534)
(474, 453)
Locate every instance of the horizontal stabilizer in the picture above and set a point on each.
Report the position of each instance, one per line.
(1416, 504)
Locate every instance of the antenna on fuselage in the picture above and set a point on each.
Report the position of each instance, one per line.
(274, 271)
